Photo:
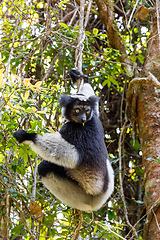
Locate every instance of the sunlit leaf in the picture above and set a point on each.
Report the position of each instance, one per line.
(1, 77)
(63, 25)
(26, 81)
(38, 84)
(26, 95)
(95, 31)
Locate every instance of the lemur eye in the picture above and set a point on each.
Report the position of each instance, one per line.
(77, 110)
(88, 112)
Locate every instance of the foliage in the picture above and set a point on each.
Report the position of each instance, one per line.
(37, 51)
(28, 106)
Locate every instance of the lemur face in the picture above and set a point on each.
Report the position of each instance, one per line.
(78, 108)
(81, 113)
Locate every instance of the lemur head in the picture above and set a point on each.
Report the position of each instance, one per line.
(78, 108)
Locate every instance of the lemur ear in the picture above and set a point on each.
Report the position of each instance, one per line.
(65, 100)
(93, 100)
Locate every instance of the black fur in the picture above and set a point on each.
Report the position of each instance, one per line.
(46, 167)
(75, 75)
(89, 141)
(22, 135)
(77, 170)
(67, 102)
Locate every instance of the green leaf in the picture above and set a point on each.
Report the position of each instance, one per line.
(136, 145)
(141, 58)
(33, 125)
(63, 25)
(16, 230)
(95, 31)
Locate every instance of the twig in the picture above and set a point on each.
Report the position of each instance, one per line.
(120, 180)
(110, 230)
(88, 12)
(76, 232)
(73, 17)
(7, 215)
(11, 52)
(50, 68)
(158, 25)
(31, 54)
(156, 220)
(120, 237)
(23, 218)
(149, 214)
(34, 181)
(132, 13)
(154, 207)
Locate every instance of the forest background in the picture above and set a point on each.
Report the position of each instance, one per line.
(39, 41)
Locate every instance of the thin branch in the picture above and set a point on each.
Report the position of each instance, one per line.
(66, 18)
(132, 13)
(76, 232)
(88, 12)
(34, 181)
(31, 54)
(7, 215)
(73, 17)
(23, 218)
(156, 219)
(120, 237)
(150, 214)
(158, 24)
(50, 67)
(120, 180)
(11, 52)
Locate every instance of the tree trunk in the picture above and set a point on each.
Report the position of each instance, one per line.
(106, 14)
(152, 62)
(144, 103)
(144, 106)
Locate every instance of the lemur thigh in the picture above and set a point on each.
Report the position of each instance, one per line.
(52, 147)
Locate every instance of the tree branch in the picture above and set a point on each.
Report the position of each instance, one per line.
(106, 14)
(121, 183)
(11, 52)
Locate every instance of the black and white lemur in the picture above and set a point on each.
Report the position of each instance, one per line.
(76, 167)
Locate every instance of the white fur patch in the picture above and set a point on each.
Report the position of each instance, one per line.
(98, 202)
(86, 89)
(69, 193)
(110, 180)
(74, 196)
(52, 147)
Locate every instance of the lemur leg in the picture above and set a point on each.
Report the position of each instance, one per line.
(63, 187)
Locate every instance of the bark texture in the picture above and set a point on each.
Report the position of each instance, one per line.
(152, 62)
(144, 104)
(106, 14)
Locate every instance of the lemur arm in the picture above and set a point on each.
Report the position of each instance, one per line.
(51, 147)
(85, 89)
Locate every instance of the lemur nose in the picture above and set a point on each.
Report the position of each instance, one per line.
(83, 119)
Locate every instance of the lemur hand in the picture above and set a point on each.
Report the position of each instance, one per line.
(22, 135)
